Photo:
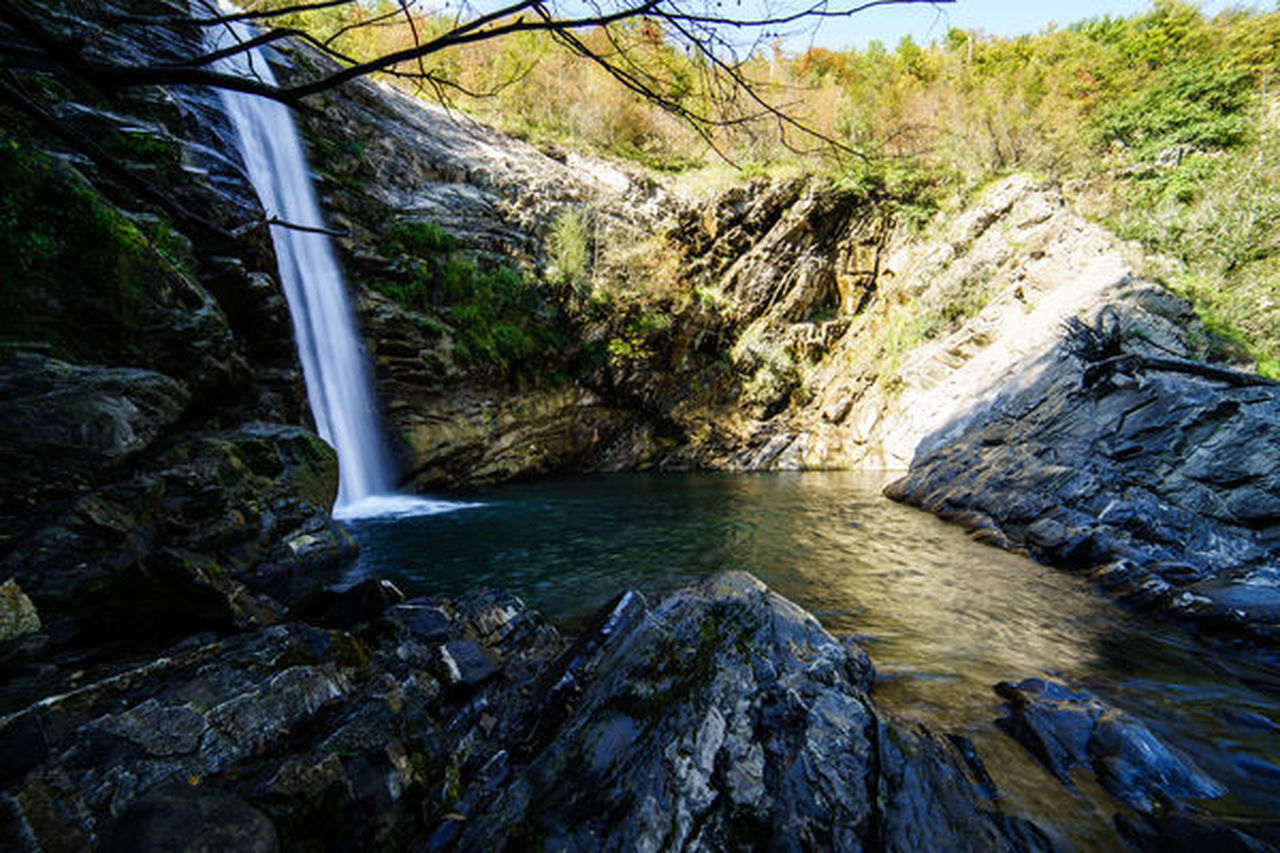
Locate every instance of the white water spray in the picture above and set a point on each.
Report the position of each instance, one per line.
(334, 366)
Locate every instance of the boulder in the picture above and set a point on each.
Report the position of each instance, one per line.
(723, 716)
(191, 819)
(1067, 729)
(18, 615)
(63, 425)
(346, 608)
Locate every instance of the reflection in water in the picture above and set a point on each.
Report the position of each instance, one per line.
(943, 617)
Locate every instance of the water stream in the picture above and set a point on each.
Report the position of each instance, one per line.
(944, 618)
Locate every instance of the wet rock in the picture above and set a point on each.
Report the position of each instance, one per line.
(422, 619)
(335, 736)
(346, 608)
(928, 794)
(500, 621)
(191, 819)
(861, 671)
(724, 716)
(1067, 729)
(18, 615)
(1183, 833)
(463, 663)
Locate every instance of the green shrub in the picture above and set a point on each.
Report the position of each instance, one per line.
(1220, 216)
(1204, 107)
(773, 372)
(908, 188)
(569, 249)
(496, 314)
(423, 239)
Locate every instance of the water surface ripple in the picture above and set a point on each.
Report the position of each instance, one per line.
(943, 617)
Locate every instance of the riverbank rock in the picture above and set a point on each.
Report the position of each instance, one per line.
(722, 716)
(174, 545)
(1150, 472)
(1070, 731)
(1067, 729)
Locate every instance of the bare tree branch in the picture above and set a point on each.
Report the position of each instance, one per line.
(729, 97)
(218, 20)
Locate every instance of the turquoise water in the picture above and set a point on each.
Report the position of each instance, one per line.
(944, 618)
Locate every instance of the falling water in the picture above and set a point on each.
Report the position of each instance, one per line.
(333, 361)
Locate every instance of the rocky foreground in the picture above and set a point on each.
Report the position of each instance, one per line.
(723, 717)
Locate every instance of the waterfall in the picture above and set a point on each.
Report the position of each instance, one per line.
(339, 386)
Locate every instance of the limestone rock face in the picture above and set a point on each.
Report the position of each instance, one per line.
(962, 311)
(495, 194)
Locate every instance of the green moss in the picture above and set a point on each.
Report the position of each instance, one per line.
(349, 651)
(139, 146)
(77, 272)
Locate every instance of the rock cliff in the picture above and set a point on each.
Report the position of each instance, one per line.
(786, 324)
(1148, 471)
(156, 463)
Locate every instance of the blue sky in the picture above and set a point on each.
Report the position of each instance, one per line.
(926, 21)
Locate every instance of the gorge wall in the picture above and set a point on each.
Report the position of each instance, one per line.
(781, 324)
(797, 324)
